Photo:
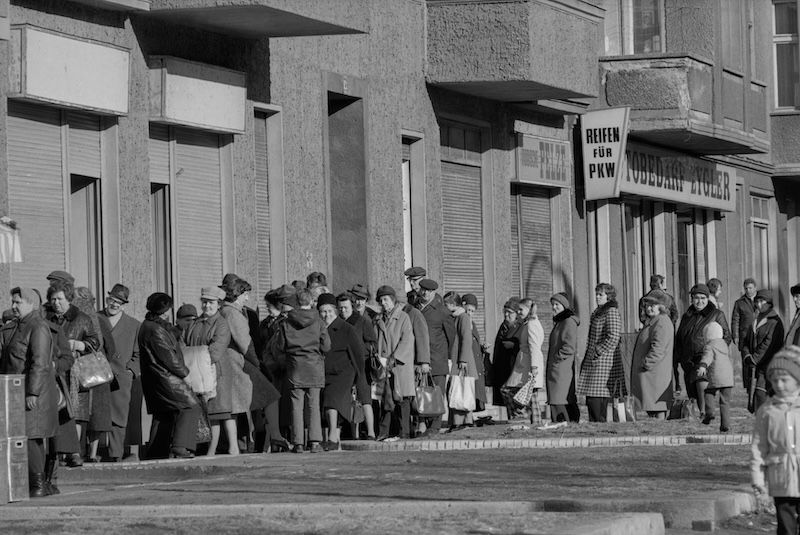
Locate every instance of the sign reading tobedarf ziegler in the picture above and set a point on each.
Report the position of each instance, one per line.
(544, 161)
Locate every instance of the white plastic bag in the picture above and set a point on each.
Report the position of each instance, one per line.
(202, 376)
(462, 393)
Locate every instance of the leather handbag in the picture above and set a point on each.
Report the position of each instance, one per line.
(356, 409)
(93, 370)
(430, 399)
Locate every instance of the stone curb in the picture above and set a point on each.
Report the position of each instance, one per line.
(543, 443)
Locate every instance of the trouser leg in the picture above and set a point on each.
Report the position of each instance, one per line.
(725, 408)
(36, 455)
(314, 415)
(598, 408)
(298, 396)
(710, 396)
(404, 413)
(558, 413)
(116, 441)
(160, 435)
(184, 434)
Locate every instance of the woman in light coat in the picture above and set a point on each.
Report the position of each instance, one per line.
(602, 376)
(528, 365)
(462, 357)
(396, 351)
(651, 367)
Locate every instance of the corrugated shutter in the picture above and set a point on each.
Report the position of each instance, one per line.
(262, 208)
(158, 152)
(199, 212)
(536, 256)
(36, 191)
(462, 234)
(84, 144)
(406, 152)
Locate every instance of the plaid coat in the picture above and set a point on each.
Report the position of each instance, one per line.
(602, 375)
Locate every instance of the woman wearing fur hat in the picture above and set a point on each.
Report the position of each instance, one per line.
(762, 342)
(651, 367)
(561, 361)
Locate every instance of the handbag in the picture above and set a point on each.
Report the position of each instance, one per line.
(525, 393)
(202, 376)
(462, 392)
(356, 409)
(430, 399)
(203, 423)
(93, 370)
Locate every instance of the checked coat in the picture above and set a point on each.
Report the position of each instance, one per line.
(602, 374)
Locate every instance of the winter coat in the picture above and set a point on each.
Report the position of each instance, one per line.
(422, 340)
(125, 365)
(343, 362)
(530, 356)
(396, 339)
(775, 436)
(503, 357)
(441, 330)
(651, 366)
(763, 341)
(365, 332)
(301, 340)
(602, 375)
(27, 350)
(96, 403)
(793, 333)
(717, 361)
(215, 333)
(744, 312)
(689, 341)
(561, 353)
(462, 351)
(480, 381)
(163, 368)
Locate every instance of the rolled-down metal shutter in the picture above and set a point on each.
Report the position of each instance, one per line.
(84, 156)
(198, 212)
(262, 208)
(462, 234)
(532, 251)
(158, 152)
(36, 191)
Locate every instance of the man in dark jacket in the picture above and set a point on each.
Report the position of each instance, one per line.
(27, 350)
(441, 331)
(744, 312)
(414, 275)
(764, 339)
(170, 400)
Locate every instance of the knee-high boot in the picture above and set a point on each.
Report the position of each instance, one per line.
(51, 473)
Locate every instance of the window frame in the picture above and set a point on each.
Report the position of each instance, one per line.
(784, 39)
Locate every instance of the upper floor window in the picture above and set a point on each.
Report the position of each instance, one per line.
(634, 27)
(787, 73)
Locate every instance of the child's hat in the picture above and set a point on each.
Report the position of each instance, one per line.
(788, 360)
(713, 331)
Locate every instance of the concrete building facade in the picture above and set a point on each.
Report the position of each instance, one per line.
(164, 143)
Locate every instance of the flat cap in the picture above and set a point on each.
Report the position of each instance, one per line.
(415, 272)
(59, 275)
(428, 284)
(212, 292)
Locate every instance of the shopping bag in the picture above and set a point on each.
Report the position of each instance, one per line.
(430, 399)
(356, 410)
(462, 392)
(203, 423)
(93, 370)
(202, 376)
(524, 394)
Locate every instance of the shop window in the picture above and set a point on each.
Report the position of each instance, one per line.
(85, 230)
(785, 40)
(638, 253)
(759, 217)
(687, 275)
(634, 27)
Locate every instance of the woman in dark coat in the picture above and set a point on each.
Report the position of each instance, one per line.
(470, 304)
(651, 366)
(561, 351)
(83, 338)
(365, 332)
(506, 347)
(689, 340)
(763, 340)
(602, 376)
(98, 398)
(212, 330)
(343, 362)
(27, 350)
(170, 400)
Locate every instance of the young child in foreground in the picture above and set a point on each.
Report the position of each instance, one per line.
(774, 463)
(716, 368)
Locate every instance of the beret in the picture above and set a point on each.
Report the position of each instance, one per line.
(469, 299)
(656, 297)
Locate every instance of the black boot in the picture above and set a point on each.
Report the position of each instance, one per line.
(38, 486)
(51, 474)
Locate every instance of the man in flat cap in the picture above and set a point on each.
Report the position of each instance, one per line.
(441, 331)
(125, 365)
(414, 275)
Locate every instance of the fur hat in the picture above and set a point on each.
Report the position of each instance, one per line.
(656, 297)
(326, 299)
(787, 359)
(158, 303)
(512, 304)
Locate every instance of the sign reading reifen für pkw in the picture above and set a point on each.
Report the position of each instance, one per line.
(604, 135)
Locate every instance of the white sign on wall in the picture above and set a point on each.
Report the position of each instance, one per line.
(604, 136)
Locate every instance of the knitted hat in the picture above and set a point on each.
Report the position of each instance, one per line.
(385, 290)
(158, 303)
(561, 297)
(326, 299)
(766, 295)
(699, 289)
(469, 299)
(788, 360)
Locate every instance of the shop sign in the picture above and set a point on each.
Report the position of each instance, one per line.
(604, 136)
(544, 161)
(680, 179)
